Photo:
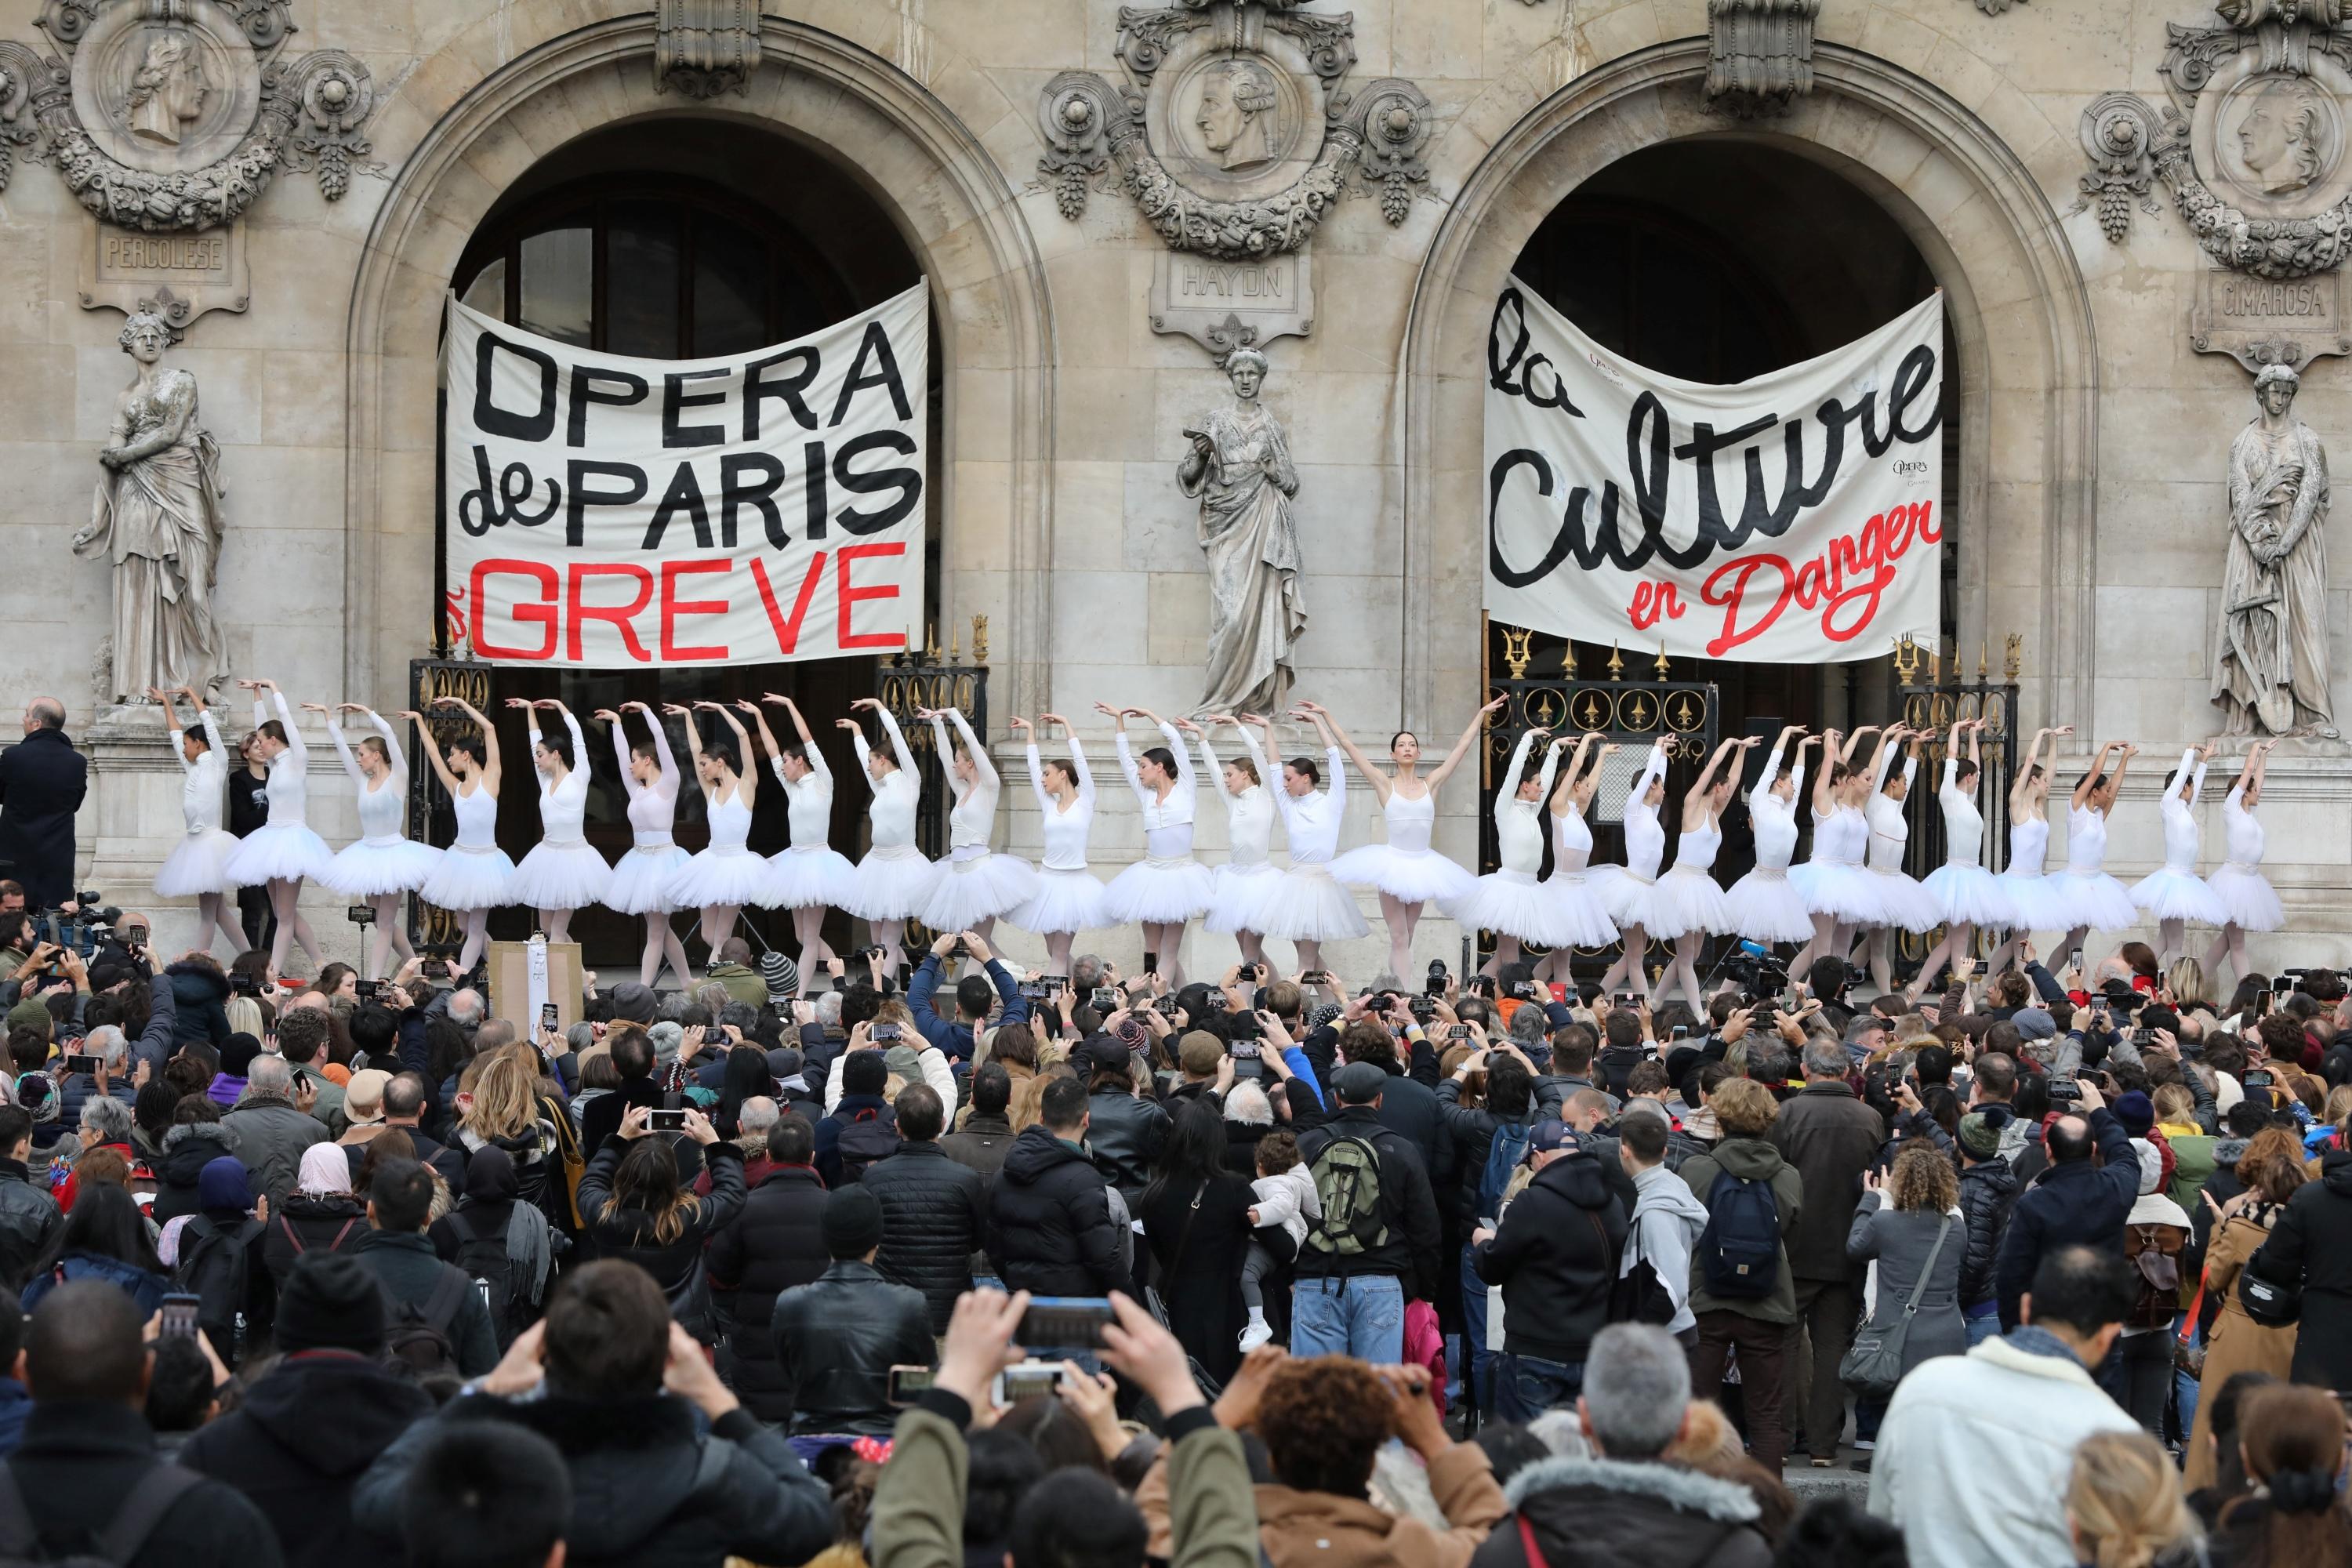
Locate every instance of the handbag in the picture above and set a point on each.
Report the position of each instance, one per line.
(2266, 1301)
(1874, 1363)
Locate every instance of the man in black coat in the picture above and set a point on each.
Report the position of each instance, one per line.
(1555, 1255)
(933, 1217)
(1350, 1294)
(42, 781)
(88, 1463)
(777, 1242)
(1050, 1229)
(837, 1337)
(2311, 1245)
(28, 1214)
(302, 1438)
(2077, 1200)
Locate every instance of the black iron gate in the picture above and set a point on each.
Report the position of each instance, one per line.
(431, 819)
(927, 679)
(1933, 695)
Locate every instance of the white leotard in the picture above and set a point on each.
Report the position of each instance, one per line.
(2181, 838)
(1695, 850)
(2245, 841)
(1645, 837)
(2086, 840)
(1774, 820)
(200, 788)
(1066, 831)
(2029, 846)
(1167, 824)
(1518, 823)
(652, 807)
(1311, 822)
(477, 818)
(973, 818)
(892, 814)
(288, 788)
(1963, 823)
(1890, 834)
(563, 804)
(729, 819)
(1249, 815)
(383, 808)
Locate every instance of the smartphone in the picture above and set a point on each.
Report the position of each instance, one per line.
(180, 1316)
(1033, 990)
(1168, 1007)
(659, 1120)
(1028, 1379)
(1315, 977)
(2257, 1077)
(1680, 1032)
(85, 1064)
(908, 1384)
(368, 989)
(1150, 962)
(1066, 1322)
(1625, 999)
(1103, 999)
(2263, 1003)
(547, 1016)
(1458, 1032)
(712, 1035)
(888, 1031)
(2075, 959)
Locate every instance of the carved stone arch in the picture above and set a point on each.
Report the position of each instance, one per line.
(2018, 309)
(925, 167)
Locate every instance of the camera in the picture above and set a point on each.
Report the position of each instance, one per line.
(1423, 1008)
(1752, 966)
(82, 932)
(883, 1031)
(1168, 1007)
(2064, 1088)
(1436, 986)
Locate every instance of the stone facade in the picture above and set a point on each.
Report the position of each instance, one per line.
(2092, 432)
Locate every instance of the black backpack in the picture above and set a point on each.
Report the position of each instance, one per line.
(865, 1139)
(136, 1517)
(1739, 1251)
(483, 1259)
(214, 1268)
(424, 1338)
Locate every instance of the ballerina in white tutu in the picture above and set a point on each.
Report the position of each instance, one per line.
(385, 863)
(1904, 905)
(894, 881)
(474, 873)
(1575, 913)
(2174, 893)
(976, 884)
(1069, 897)
(1406, 870)
(563, 872)
(640, 884)
(1969, 896)
(811, 876)
(1839, 892)
(2029, 897)
(1626, 888)
(1249, 875)
(725, 875)
(1509, 902)
(1308, 907)
(282, 852)
(2092, 899)
(2249, 902)
(1163, 892)
(198, 863)
(1765, 905)
(1687, 906)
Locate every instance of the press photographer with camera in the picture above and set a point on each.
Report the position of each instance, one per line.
(953, 1038)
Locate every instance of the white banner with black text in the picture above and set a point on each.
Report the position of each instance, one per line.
(607, 512)
(1795, 518)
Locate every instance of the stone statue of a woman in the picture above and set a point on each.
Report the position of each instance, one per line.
(1239, 465)
(2271, 670)
(158, 517)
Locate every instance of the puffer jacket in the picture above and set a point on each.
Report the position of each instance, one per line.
(1988, 1191)
(202, 992)
(1587, 1513)
(836, 1340)
(187, 1150)
(29, 1218)
(1125, 1134)
(776, 1243)
(677, 1265)
(1049, 1222)
(932, 1222)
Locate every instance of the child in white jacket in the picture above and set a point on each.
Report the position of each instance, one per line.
(1285, 1197)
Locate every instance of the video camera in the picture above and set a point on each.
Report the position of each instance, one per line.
(1749, 964)
(81, 930)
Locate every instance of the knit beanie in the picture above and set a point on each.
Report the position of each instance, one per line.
(782, 976)
(853, 1223)
(222, 1184)
(238, 1052)
(330, 1302)
(1979, 1135)
(31, 1015)
(2136, 1112)
(634, 1002)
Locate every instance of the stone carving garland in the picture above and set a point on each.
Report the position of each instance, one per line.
(173, 115)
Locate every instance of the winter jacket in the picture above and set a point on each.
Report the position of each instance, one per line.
(1323, 1529)
(1988, 1194)
(1410, 1108)
(1750, 1160)
(1471, 1129)
(1050, 1229)
(201, 994)
(1555, 1255)
(1975, 1451)
(932, 1222)
(334, 1222)
(1831, 1137)
(1667, 1223)
(270, 1138)
(979, 1145)
(1125, 1134)
(1900, 1241)
(29, 1218)
(1615, 1513)
(299, 1442)
(2311, 1242)
(776, 1243)
(650, 1488)
(850, 1107)
(2075, 1200)
(1408, 1208)
(952, 1037)
(677, 1264)
(836, 1340)
(448, 1160)
(79, 1461)
(78, 1088)
(146, 1291)
(410, 1272)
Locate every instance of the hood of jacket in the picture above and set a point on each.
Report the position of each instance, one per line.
(197, 983)
(632, 1462)
(1660, 1191)
(1750, 1158)
(1993, 1173)
(334, 1412)
(336, 1207)
(2335, 1171)
(1684, 1491)
(1631, 1514)
(1036, 1153)
(1579, 1179)
(187, 1150)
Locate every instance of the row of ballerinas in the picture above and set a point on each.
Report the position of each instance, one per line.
(1853, 883)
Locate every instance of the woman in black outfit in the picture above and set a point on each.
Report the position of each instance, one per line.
(1195, 1215)
(634, 1207)
(746, 1076)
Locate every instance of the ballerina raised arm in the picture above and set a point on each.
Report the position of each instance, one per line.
(1444, 770)
(493, 770)
(811, 752)
(1563, 794)
(2096, 774)
(1695, 801)
(1762, 788)
(747, 777)
(1334, 735)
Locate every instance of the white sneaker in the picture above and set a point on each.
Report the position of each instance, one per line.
(1256, 1333)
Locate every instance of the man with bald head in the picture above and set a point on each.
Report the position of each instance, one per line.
(42, 781)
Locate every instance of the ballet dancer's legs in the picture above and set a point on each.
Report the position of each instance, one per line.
(478, 937)
(808, 931)
(384, 934)
(1058, 950)
(212, 914)
(2171, 942)
(662, 942)
(1959, 937)
(1311, 955)
(556, 923)
(1682, 970)
(1506, 951)
(1402, 919)
(718, 924)
(1253, 946)
(1627, 973)
(890, 936)
(1165, 940)
(1878, 952)
(285, 902)
(1821, 946)
(2230, 943)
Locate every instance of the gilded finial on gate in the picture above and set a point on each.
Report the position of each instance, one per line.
(1665, 670)
(2012, 655)
(1907, 659)
(980, 639)
(1616, 663)
(1516, 654)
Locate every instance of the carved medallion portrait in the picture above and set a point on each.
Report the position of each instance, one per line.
(1233, 123)
(2273, 140)
(166, 96)
(1238, 114)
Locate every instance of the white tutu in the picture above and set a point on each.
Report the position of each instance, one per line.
(1970, 894)
(1576, 915)
(1508, 904)
(1309, 905)
(892, 884)
(199, 864)
(1241, 890)
(365, 870)
(2248, 900)
(1158, 893)
(716, 876)
(469, 878)
(640, 884)
(1065, 901)
(980, 889)
(808, 878)
(1903, 904)
(561, 876)
(2034, 901)
(281, 851)
(1766, 907)
(2095, 899)
(1625, 896)
(1839, 888)
(2169, 895)
(1409, 876)
(1687, 900)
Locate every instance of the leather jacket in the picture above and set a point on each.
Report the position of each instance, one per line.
(29, 1218)
(1125, 1134)
(837, 1341)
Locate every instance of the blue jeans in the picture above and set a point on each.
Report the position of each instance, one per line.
(2184, 1387)
(1981, 1329)
(1475, 1354)
(1525, 1386)
(1363, 1317)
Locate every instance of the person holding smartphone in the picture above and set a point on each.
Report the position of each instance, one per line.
(635, 1207)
